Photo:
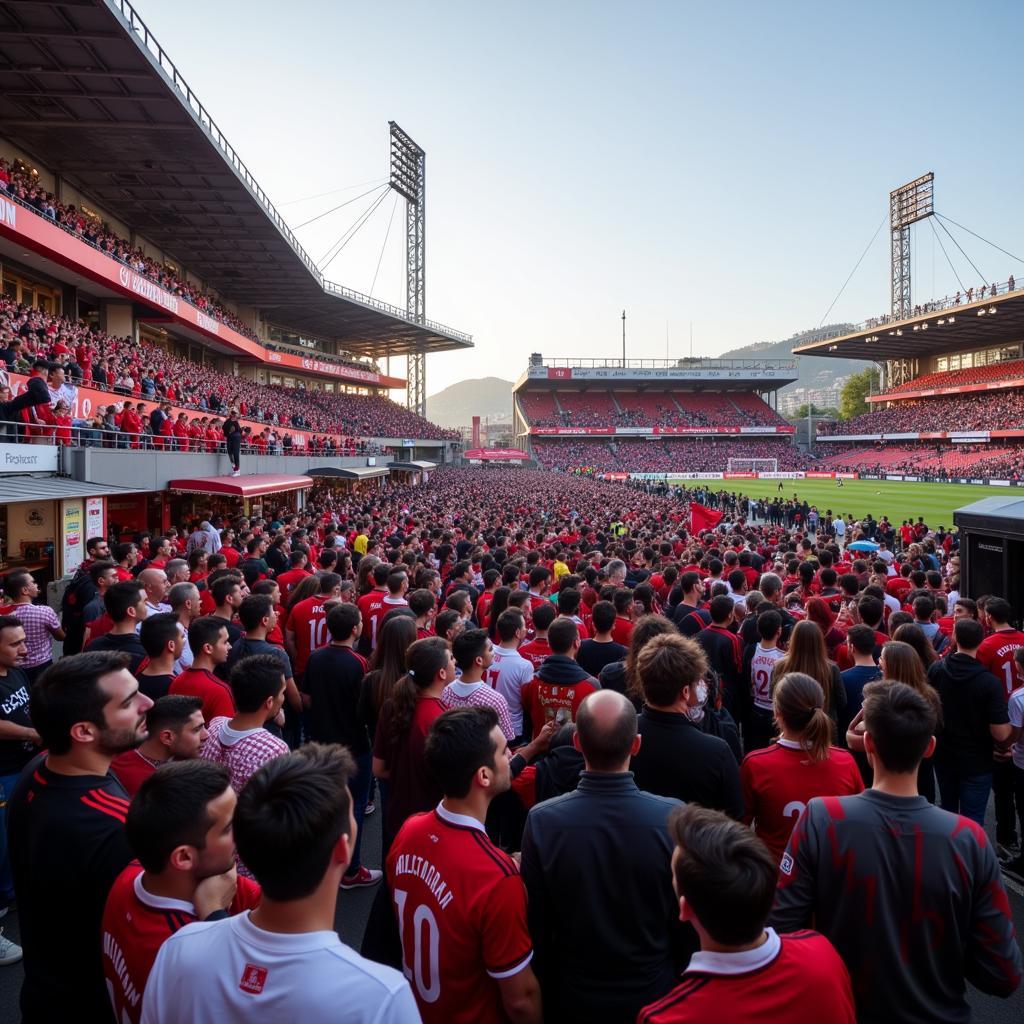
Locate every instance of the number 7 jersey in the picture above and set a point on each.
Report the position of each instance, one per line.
(461, 910)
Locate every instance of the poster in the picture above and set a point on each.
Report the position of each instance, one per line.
(72, 541)
(95, 526)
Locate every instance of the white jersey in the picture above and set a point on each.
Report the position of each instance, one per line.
(761, 666)
(1016, 713)
(508, 674)
(211, 972)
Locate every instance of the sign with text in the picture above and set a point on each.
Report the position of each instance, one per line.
(28, 458)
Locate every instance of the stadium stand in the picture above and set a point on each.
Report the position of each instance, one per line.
(145, 371)
(987, 411)
(1010, 370)
(942, 461)
(663, 456)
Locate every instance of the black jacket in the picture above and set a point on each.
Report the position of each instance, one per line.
(602, 914)
(561, 670)
(972, 700)
(677, 759)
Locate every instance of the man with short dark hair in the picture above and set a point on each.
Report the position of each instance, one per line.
(126, 606)
(66, 830)
(176, 732)
(560, 685)
(179, 828)
(910, 895)
(39, 620)
(162, 641)
(332, 687)
(510, 671)
(601, 649)
(724, 878)
(470, 899)
(606, 837)
(258, 618)
(474, 655)
(724, 651)
(294, 829)
(208, 638)
(974, 720)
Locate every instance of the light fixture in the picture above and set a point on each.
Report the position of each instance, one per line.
(941, 322)
(917, 327)
(952, 320)
(924, 327)
(981, 312)
(899, 334)
(991, 309)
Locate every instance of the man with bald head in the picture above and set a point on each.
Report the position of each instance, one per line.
(157, 588)
(601, 910)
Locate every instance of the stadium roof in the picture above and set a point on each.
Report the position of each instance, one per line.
(88, 92)
(985, 323)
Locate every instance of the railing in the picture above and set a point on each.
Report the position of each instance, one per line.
(671, 364)
(327, 357)
(137, 27)
(947, 302)
(81, 434)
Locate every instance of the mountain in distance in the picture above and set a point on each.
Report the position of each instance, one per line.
(815, 371)
(490, 398)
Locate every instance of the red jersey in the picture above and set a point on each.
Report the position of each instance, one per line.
(622, 630)
(135, 925)
(308, 621)
(996, 654)
(371, 608)
(536, 651)
(483, 607)
(779, 780)
(789, 979)
(289, 579)
(545, 701)
(214, 693)
(461, 909)
(132, 769)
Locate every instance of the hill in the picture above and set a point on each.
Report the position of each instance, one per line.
(490, 398)
(815, 371)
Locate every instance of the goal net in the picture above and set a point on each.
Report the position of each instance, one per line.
(752, 465)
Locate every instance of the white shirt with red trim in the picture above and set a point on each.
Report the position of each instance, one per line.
(212, 972)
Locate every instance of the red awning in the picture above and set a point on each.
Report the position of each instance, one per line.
(241, 486)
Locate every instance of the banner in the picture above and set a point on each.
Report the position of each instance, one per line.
(773, 369)
(495, 454)
(775, 430)
(739, 476)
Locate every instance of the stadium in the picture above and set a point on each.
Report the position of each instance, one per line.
(213, 509)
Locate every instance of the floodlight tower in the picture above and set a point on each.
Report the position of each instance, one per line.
(908, 204)
(408, 179)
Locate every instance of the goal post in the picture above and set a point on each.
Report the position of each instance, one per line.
(736, 465)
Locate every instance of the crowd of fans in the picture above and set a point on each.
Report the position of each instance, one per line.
(1007, 370)
(146, 371)
(631, 409)
(992, 410)
(973, 294)
(187, 800)
(663, 455)
(991, 461)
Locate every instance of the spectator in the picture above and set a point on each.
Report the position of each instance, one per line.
(677, 759)
(592, 965)
(948, 876)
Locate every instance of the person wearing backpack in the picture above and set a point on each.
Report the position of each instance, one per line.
(78, 593)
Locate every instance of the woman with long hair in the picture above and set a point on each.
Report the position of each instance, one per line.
(306, 587)
(901, 663)
(913, 634)
(821, 615)
(401, 734)
(385, 667)
(779, 780)
(807, 654)
(364, 574)
(498, 604)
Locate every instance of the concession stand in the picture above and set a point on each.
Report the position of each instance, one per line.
(231, 496)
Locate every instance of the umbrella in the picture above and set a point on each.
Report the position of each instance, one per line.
(863, 545)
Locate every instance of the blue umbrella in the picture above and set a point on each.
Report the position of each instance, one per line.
(863, 545)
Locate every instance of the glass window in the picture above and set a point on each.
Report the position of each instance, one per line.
(941, 364)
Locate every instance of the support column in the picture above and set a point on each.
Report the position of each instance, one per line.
(117, 318)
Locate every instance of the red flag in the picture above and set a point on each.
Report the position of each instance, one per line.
(702, 518)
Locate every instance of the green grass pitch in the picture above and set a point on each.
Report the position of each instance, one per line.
(896, 499)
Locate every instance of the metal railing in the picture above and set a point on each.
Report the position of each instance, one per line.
(82, 434)
(684, 363)
(163, 63)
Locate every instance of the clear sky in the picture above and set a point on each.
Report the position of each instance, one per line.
(721, 164)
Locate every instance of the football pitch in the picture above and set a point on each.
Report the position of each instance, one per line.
(896, 499)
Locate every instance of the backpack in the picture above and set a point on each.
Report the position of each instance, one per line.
(77, 594)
